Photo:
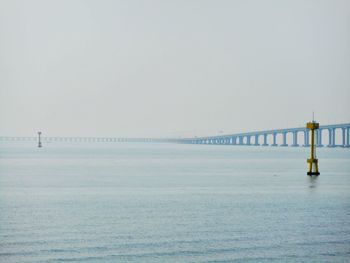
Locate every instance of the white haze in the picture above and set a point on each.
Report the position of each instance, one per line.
(171, 68)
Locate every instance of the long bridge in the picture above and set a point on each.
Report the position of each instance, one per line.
(295, 137)
(258, 138)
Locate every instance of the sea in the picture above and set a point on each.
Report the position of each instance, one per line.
(159, 202)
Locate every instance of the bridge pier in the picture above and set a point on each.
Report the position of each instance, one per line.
(319, 138)
(344, 137)
(265, 140)
(331, 137)
(248, 140)
(234, 140)
(295, 139)
(274, 139)
(284, 136)
(306, 138)
(256, 143)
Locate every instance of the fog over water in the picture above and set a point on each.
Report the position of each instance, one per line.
(171, 68)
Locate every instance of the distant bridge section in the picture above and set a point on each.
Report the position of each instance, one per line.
(262, 137)
(82, 139)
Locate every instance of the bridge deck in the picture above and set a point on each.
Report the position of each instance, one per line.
(243, 138)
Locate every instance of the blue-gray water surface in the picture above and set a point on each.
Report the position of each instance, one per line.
(134, 202)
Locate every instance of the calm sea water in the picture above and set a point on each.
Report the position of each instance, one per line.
(130, 202)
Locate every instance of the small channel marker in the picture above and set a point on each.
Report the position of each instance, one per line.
(312, 161)
(39, 140)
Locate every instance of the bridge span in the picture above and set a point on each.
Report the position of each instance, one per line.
(49, 139)
(281, 137)
(257, 138)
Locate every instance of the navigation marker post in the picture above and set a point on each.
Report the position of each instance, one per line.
(313, 161)
(39, 140)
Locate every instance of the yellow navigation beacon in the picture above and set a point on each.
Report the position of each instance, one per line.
(312, 161)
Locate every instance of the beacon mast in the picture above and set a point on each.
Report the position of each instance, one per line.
(312, 161)
(39, 140)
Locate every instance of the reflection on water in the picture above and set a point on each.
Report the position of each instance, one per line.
(312, 181)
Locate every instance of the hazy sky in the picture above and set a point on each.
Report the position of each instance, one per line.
(171, 68)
